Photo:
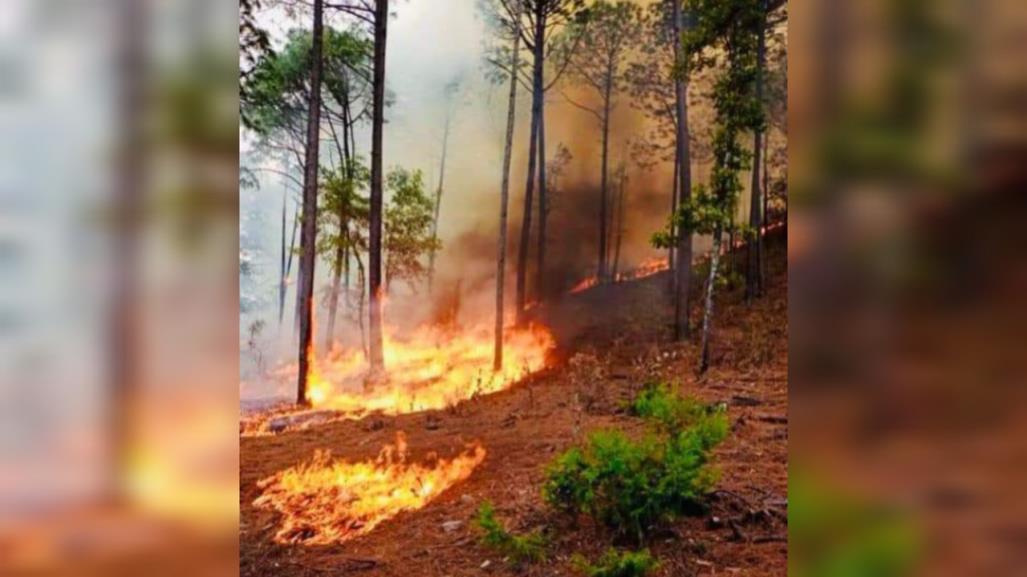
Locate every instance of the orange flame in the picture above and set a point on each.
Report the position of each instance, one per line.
(324, 502)
(648, 267)
(585, 285)
(430, 369)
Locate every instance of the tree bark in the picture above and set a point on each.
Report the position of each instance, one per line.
(438, 203)
(707, 322)
(620, 223)
(129, 189)
(282, 276)
(529, 190)
(672, 251)
(602, 274)
(309, 230)
(682, 330)
(504, 194)
(752, 272)
(288, 272)
(543, 198)
(343, 216)
(381, 20)
(766, 213)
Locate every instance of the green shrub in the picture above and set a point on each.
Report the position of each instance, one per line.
(660, 404)
(631, 486)
(519, 549)
(617, 564)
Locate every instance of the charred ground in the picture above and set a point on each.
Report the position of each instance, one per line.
(612, 340)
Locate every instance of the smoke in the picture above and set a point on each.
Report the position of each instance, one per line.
(429, 50)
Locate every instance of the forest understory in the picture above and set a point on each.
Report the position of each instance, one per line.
(611, 341)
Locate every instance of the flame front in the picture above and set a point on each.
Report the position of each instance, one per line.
(648, 267)
(430, 369)
(585, 285)
(324, 502)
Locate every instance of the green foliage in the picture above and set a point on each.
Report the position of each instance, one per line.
(832, 533)
(343, 212)
(519, 549)
(662, 405)
(731, 29)
(408, 223)
(597, 44)
(699, 214)
(631, 486)
(618, 564)
(274, 94)
(727, 279)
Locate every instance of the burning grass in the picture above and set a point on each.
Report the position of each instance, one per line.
(429, 369)
(648, 267)
(325, 501)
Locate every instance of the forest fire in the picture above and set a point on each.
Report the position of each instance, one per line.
(430, 369)
(648, 267)
(325, 501)
(584, 285)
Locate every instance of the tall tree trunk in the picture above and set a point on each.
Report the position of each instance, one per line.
(711, 282)
(620, 223)
(333, 298)
(543, 199)
(381, 21)
(362, 281)
(602, 273)
(752, 272)
(288, 271)
(128, 196)
(438, 203)
(283, 277)
(529, 190)
(309, 232)
(343, 216)
(766, 213)
(504, 193)
(672, 251)
(682, 330)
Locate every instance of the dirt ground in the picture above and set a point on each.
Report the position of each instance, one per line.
(611, 341)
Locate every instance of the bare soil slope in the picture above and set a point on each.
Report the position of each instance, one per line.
(612, 340)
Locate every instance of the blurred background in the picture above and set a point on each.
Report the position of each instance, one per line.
(908, 149)
(119, 287)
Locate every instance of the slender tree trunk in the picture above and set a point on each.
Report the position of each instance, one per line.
(362, 281)
(438, 203)
(711, 282)
(672, 251)
(543, 199)
(340, 258)
(309, 232)
(288, 271)
(346, 271)
(529, 190)
(682, 330)
(343, 216)
(283, 277)
(620, 223)
(128, 193)
(752, 272)
(381, 21)
(504, 194)
(766, 213)
(602, 274)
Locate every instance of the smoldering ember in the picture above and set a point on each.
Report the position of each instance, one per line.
(513, 287)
